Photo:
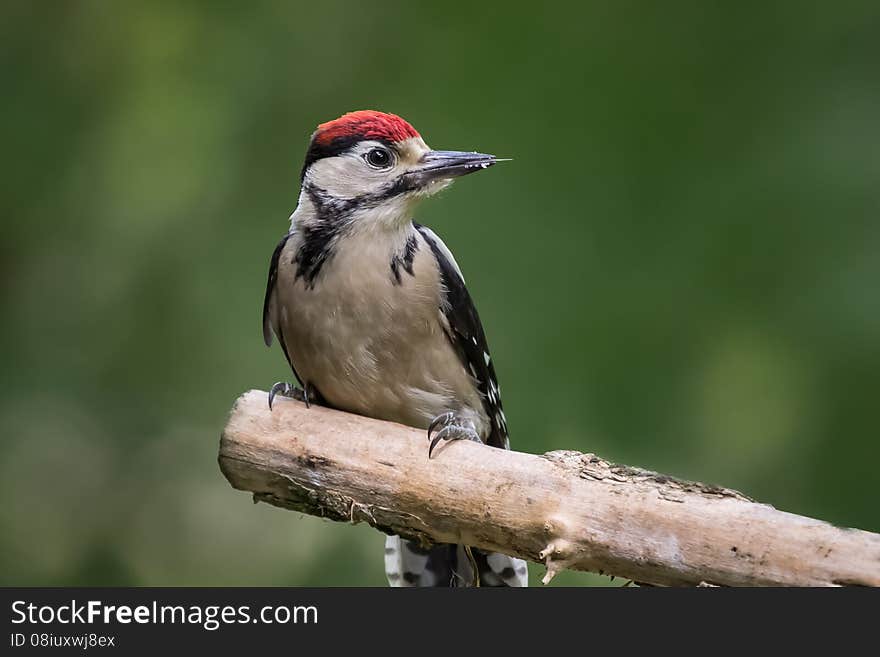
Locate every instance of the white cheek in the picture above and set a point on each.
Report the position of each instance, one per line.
(347, 176)
(432, 188)
(392, 212)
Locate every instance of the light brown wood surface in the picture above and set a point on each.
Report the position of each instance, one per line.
(564, 509)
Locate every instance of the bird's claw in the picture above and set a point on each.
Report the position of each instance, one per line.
(454, 428)
(285, 389)
(443, 418)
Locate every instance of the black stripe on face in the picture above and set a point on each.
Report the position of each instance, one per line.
(340, 145)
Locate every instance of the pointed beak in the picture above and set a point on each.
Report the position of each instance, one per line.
(446, 165)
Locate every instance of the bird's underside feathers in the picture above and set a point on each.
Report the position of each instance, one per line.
(462, 327)
(406, 562)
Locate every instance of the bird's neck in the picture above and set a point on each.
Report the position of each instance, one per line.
(387, 219)
(324, 225)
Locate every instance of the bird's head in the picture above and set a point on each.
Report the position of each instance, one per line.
(375, 165)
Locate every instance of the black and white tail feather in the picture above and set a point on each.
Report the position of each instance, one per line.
(409, 564)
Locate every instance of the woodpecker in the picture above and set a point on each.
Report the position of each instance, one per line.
(373, 315)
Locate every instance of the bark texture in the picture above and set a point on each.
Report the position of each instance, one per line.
(564, 509)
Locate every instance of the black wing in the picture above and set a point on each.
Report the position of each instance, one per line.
(267, 319)
(467, 336)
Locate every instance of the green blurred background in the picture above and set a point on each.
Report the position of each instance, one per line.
(679, 269)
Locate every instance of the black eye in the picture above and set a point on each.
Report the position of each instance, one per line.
(379, 158)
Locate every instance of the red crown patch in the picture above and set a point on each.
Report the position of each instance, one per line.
(366, 124)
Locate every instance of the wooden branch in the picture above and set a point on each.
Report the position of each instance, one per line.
(565, 509)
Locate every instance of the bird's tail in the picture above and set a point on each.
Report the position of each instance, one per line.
(409, 564)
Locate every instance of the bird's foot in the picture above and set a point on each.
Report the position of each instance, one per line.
(452, 426)
(285, 389)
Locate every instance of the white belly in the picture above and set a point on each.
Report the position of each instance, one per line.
(388, 359)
